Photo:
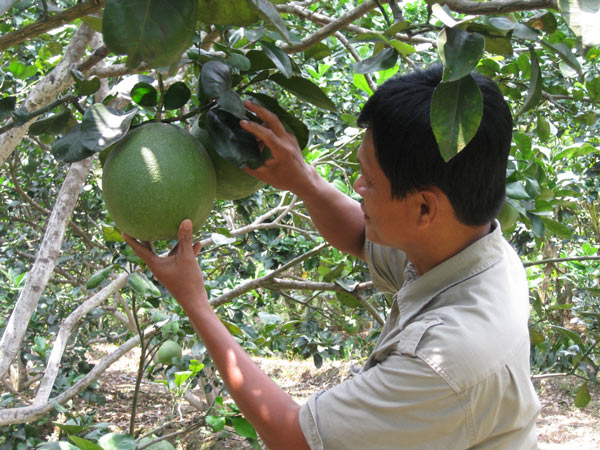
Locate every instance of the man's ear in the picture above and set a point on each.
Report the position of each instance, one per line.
(429, 206)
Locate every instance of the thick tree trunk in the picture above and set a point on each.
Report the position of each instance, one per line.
(49, 88)
(44, 264)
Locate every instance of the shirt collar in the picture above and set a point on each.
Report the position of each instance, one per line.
(418, 291)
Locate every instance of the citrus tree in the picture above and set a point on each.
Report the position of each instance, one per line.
(79, 78)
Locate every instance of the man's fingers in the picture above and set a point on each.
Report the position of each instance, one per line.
(269, 118)
(185, 236)
(196, 248)
(143, 250)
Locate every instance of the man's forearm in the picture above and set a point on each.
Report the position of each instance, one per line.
(271, 410)
(338, 217)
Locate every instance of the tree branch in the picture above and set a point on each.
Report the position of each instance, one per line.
(498, 6)
(30, 413)
(44, 264)
(55, 21)
(64, 333)
(555, 260)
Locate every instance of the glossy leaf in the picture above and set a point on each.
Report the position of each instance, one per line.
(102, 126)
(270, 14)
(144, 94)
(217, 423)
(460, 51)
(215, 78)
(142, 285)
(115, 441)
(522, 31)
(176, 96)
(154, 31)
(54, 124)
(306, 90)
(84, 86)
(564, 53)
(517, 191)
(383, 60)
(231, 141)
(582, 397)
(347, 299)
(279, 57)
(69, 148)
(98, 277)
(84, 444)
(534, 93)
(232, 103)
(317, 51)
(402, 48)
(290, 122)
(544, 21)
(456, 111)
(243, 428)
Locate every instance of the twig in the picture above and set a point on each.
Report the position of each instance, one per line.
(555, 260)
(35, 29)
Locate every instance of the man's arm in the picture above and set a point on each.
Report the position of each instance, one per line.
(269, 409)
(338, 217)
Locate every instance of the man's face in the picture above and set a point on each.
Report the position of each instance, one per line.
(386, 218)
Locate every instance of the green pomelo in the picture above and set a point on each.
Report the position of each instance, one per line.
(232, 182)
(155, 177)
(167, 351)
(229, 12)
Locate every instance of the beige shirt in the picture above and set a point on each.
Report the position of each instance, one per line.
(451, 367)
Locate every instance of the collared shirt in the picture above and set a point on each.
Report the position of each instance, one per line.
(451, 367)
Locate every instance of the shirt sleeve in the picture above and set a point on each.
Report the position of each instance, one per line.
(400, 403)
(386, 265)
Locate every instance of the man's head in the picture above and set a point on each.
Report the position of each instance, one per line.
(397, 116)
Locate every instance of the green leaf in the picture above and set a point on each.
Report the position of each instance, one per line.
(460, 51)
(290, 122)
(115, 441)
(54, 124)
(279, 57)
(71, 428)
(177, 95)
(517, 191)
(582, 397)
(142, 285)
(243, 427)
(535, 336)
(522, 31)
(537, 225)
(317, 51)
(144, 94)
(593, 88)
(84, 86)
(84, 444)
(103, 126)
(534, 93)
(215, 78)
(557, 228)
(305, 90)
(544, 21)
(347, 299)
(231, 141)
(69, 148)
(498, 45)
(383, 60)
(7, 106)
(270, 14)
(20, 70)
(231, 102)
(542, 128)
(93, 22)
(98, 277)
(456, 111)
(583, 17)
(570, 334)
(110, 234)
(217, 423)
(270, 319)
(232, 328)
(154, 31)
(402, 48)
(564, 53)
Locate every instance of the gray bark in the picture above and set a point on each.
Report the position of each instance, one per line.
(49, 88)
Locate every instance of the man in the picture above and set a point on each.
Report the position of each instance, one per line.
(451, 367)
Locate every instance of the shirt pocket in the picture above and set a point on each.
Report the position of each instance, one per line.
(409, 338)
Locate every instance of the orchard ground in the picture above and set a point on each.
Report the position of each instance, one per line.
(560, 425)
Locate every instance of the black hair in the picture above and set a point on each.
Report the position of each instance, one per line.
(474, 180)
